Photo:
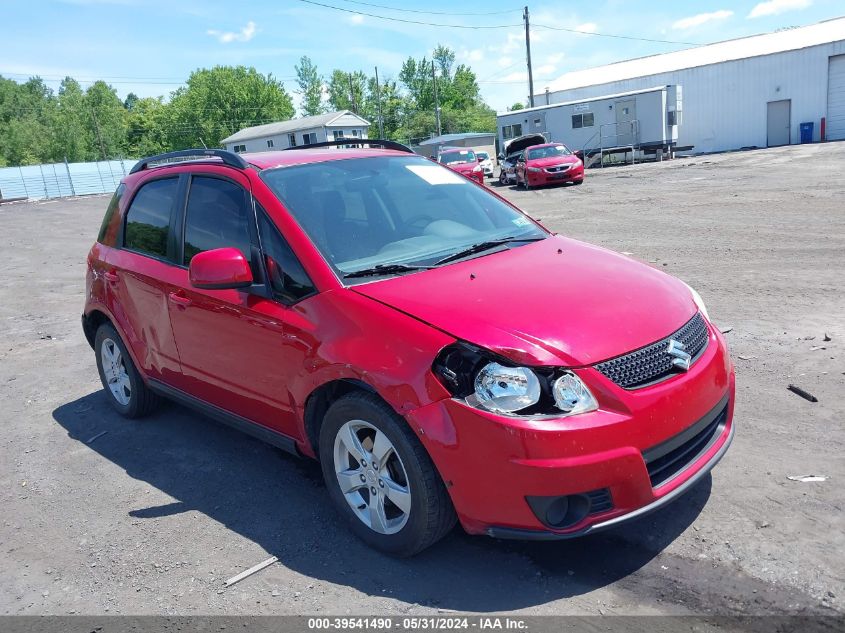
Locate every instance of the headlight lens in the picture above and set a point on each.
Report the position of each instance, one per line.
(478, 378)
(506, 389)
(572, 396)
(698, 301)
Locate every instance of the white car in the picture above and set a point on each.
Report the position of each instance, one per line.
(486, 163)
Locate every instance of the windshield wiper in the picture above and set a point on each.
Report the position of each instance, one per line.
(484, 246)
(384, 269)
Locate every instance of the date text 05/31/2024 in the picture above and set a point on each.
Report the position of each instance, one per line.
(430, 623)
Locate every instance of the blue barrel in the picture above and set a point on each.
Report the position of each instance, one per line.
(807, 132)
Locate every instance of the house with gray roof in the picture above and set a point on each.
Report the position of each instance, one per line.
(305, 131)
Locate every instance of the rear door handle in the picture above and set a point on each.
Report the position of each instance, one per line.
(110, 275)
(179, 299)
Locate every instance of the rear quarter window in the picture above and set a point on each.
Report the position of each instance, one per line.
(107, 219)
(148, 218)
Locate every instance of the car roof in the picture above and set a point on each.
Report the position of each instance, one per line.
(269, 160)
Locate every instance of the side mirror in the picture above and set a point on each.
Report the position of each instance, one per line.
(219, 269)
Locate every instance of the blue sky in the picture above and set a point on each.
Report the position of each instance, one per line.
(150, 46)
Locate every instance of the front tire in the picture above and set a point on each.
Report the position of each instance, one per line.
(124, 387)
(380, 477)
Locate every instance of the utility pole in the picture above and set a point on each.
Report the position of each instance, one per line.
(436, 100)
(528, 58)
(378, 102)
(352, 93)
(99, 136)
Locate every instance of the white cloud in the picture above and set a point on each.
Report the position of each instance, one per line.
(701, 18)
(555, 58)
(545, 69)
(505, 62)
(226, 37)
(518, 76)
(776, 7)
(587, 27)
(356, 19)
(515, 41)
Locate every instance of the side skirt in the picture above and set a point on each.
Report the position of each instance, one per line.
(279, 440)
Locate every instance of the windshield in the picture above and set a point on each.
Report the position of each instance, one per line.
(464, 156)
(366, 212)
(550, 151)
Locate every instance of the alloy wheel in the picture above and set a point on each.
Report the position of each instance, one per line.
(371, 477)
(114, 369)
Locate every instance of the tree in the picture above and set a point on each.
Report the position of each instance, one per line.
(218, 102)
(347, 90)
(147, 127)
(26, 113)
(73, 129)
(108, 120)
(310, 87)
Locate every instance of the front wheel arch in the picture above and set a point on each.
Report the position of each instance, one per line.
(319, 401)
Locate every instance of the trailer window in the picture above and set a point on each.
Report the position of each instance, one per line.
(582, 120)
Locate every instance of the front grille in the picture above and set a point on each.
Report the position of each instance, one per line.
(653, 363)
(666, 460)
(600, 500)
(553, 170)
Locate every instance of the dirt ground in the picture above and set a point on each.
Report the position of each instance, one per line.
(153, 516)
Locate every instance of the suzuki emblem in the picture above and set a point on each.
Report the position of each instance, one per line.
(680, 358)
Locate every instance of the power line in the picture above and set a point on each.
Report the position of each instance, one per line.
(381, 6)
(391, 19)
(620, 37)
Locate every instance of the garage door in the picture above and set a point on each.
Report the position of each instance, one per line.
(836, 98)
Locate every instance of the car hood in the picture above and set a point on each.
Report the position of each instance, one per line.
(553, 302)
(552, 161)
(521, 142)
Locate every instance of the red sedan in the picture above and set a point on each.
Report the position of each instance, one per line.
(463, 161)
(443, 355)
(549, 164)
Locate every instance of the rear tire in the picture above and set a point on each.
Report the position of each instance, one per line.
(124, 387)
(370, 451)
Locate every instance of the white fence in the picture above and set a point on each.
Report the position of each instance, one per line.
(57, 180)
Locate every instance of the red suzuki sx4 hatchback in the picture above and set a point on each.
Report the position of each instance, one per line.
(442, 355)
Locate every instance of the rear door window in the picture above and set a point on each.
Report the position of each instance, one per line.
(148, 218)
(216, 217)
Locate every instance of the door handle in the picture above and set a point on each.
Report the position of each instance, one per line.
(110, 276)
(179, 299)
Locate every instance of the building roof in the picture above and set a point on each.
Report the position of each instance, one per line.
(293, 125)
(729, 50)
(448, 138)
(563, 104)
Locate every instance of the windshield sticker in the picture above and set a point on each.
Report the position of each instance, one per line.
(434, 175)
(520, 221)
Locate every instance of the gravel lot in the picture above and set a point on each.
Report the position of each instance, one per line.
(153, 516)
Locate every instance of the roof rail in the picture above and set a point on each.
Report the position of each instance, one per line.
(383, 143)
(229, 158)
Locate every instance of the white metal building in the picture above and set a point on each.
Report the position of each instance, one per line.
(647, 119)
(305, 131)
(749, 92)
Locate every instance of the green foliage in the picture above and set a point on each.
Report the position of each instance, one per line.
(218, 102)
(516, 106)
(310, 87)
(38, 126)
(347, 91)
